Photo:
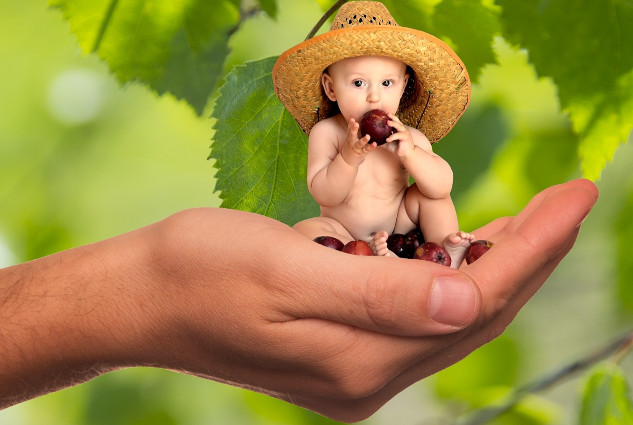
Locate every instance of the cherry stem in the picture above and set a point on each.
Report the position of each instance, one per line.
(325, 17)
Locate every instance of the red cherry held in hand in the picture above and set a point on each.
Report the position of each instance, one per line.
(330, 242)
(477, 249)
(358, 248)
(375, 124)
(434, 252)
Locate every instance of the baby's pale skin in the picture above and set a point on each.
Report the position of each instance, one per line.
(363, 189)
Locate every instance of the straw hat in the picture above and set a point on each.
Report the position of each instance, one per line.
(437, 93)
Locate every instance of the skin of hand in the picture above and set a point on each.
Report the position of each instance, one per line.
(355, 149)
(402, 136)
(245, 300)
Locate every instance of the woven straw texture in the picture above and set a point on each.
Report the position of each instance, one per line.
(436, 97)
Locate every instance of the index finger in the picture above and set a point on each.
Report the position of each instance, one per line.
(529, 246)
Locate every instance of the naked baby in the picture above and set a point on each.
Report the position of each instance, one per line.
(365, 62)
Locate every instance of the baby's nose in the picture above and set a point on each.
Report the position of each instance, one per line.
(373, 95)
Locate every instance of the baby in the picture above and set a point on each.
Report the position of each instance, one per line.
(363, 189)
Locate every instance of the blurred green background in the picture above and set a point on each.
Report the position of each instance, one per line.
(82, 159)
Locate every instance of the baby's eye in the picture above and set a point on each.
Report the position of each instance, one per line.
(387, 83)
(358, 83)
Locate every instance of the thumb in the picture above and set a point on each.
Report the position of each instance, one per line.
(387, 295)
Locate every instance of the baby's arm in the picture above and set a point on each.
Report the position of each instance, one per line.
(432, 174)
(331, 172)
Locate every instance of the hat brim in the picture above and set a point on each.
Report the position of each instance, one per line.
(443, 86)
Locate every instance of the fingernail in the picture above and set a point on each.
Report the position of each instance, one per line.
(453, 300)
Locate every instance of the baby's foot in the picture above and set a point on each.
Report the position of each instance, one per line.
(378, 245)
(456, 244)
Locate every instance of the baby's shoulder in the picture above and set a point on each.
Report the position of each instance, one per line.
(330, 123)
(419, 138)
(327, 129)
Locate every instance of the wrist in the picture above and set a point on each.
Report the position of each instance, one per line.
(406, 154)
(69, 319)
(351, 160)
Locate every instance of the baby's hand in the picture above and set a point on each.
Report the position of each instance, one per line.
(402, 136)
(355, 149)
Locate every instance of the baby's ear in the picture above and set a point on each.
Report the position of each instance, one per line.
(328, 86)
(407, 75)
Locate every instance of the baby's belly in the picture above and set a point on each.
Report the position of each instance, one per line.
(363, 218)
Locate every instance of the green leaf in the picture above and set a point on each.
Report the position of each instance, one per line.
(604, 122)
(472, 144)
(175, 47)
(260, 151)
(589, 55)
(470, 27)
(411, 13)
(606, 398)
(270, 7)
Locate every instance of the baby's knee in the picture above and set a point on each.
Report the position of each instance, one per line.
(413, 202)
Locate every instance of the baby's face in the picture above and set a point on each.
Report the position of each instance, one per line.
(364, 83)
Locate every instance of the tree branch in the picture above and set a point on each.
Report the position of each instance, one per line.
(325, 17)
(619, 348)
(244, 15)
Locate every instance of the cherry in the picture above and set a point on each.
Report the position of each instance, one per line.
(357, 248)
(375, 124)
(396, 244)
(434, 252)
(477, 249)
(330, 242)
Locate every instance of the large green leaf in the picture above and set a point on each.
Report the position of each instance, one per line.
(606, 398)
(260, 151)
(412, 13)
(270, 7)
(470, 26)
(467, 25)
(586, 47)
(176, 47)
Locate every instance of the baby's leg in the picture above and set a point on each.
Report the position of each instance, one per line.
(323, 226)
(456, 244)
(437, 219)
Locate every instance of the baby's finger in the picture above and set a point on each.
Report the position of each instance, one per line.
(368, 147)
(352, 130)
(362, 144)
(399, 134)
(396, 125)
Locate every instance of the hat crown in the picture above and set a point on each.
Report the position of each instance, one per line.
(438, 89)
(355, 13)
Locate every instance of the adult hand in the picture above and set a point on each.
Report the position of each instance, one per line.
(242, 299)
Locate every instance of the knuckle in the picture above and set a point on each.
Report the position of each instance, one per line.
(380, 302)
